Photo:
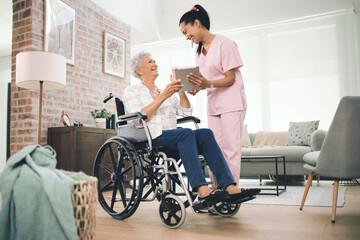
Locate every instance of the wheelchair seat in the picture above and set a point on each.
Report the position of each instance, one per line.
(132, 132)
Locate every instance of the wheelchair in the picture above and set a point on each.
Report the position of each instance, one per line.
(130, 170)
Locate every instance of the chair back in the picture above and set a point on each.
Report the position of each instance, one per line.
(340, 153)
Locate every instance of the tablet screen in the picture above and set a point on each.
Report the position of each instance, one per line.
(180, 73)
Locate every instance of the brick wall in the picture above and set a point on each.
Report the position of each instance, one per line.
(86, 85)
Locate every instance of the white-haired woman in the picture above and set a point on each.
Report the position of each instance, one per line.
(161, 108)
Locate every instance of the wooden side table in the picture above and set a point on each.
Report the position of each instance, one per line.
(76, 147)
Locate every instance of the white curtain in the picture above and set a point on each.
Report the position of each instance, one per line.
(293, 71)
(5, 78)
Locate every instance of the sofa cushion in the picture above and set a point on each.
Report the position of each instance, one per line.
(245, 138)
(246, 151)
(299, 133)
(264, 138)
(291, 153)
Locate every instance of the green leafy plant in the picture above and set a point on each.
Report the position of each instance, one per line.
(100, 113)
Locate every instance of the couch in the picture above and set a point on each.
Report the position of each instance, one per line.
(293, 154)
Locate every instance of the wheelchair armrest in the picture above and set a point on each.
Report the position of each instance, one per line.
(188, 119)
(132, 116)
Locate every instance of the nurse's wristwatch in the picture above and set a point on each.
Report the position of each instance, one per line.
(211, 83)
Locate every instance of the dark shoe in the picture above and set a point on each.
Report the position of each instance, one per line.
(213, 198)
(245, 195)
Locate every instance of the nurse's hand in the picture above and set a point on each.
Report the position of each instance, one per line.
(198, 80)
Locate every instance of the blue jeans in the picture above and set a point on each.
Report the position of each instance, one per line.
(189, 144)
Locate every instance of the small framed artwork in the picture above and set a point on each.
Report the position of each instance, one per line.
(60, 29)
(114, 55)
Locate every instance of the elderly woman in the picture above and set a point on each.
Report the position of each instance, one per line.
(162, 107)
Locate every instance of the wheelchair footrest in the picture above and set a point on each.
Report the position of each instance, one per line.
(212, 199)
(243, 200)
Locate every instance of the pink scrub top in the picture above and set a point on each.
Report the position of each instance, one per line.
(223, 55)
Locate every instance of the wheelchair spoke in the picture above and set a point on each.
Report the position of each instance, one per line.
(106, 168)
(102, 188)
(174, 208)
(113, 198)
(112, 157)
(122, 194)
(125, 171)
(126, 184)
(172, 214)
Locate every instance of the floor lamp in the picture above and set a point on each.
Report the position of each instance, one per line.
(40, 71)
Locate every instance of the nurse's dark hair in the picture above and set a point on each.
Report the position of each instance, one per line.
(199, 13)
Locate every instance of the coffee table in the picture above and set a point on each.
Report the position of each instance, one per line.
(276, 160)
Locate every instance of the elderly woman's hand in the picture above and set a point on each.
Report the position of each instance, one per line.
(198, 80)
(172, 88)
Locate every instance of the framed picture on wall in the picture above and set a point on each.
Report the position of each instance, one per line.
(114, 55)
(60, 29)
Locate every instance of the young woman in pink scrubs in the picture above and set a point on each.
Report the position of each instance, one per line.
(219, 62)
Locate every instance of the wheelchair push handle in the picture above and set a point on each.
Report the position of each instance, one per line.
(119, 104)
(107, 98)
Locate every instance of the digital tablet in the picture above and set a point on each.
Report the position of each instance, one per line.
(180, 73)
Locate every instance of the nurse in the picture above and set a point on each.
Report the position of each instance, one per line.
(219, 61)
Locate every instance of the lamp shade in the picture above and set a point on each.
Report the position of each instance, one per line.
(32, 67)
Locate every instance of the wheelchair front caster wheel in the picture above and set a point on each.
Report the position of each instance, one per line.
(226, 209)
(172, 211)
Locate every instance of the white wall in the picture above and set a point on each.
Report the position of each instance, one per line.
(142, 15)
(5, 78)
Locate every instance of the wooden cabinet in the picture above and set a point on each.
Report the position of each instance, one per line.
(76, 147)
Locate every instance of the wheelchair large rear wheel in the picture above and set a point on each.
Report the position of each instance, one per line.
(172, 211)
(120, 179)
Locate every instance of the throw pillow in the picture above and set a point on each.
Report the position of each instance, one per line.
(263, 138)
(300, 133)
(245, 138)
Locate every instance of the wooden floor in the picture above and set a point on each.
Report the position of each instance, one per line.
(251, 222)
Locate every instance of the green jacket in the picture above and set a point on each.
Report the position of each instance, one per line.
(35, 198)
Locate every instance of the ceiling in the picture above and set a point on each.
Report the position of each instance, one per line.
(157, 20)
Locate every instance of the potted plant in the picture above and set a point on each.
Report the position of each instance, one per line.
(100, 116)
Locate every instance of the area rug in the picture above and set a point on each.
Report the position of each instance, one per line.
(317, 196)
